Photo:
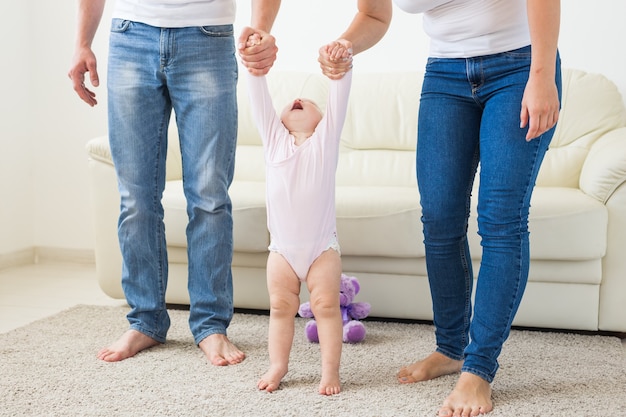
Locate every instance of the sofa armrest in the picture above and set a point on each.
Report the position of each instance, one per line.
(604, 169)
(98, 150)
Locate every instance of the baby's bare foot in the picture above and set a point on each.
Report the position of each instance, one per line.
(129, 344)
(330, 384)
(271, 379)
(471, 397)
(431, 367)
(220, 351)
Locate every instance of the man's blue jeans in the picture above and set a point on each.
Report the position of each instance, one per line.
(469, 116)
(193, 71)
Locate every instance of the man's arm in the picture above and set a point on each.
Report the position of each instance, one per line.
(540, 105)
(264, 14)
(260, 57)
(84, 60)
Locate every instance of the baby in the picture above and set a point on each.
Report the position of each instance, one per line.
(301, 154)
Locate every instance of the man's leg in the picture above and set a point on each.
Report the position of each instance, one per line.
(139, 113)
(202, 81)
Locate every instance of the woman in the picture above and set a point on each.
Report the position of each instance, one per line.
(490, 97)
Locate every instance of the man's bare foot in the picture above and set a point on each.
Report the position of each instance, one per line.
(271, 379)
(471, 397)
(431, 367)
(330, 384)
(220, 351)
(129, 344)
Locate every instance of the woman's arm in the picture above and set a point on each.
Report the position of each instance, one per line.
(369, 24)
(367, 28)
(540, 105)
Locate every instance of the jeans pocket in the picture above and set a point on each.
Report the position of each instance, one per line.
(218, 31)
(119, 25)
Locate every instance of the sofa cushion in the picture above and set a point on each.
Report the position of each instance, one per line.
(565, 224)
(391, 121)
(249, 215)
(379, 221)
(250, 232)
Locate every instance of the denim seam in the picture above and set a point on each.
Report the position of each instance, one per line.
(487, 377)
(449, 354)
(199, 338)
(152, 335)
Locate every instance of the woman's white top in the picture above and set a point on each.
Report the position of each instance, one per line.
(176, 13)
(468, 28)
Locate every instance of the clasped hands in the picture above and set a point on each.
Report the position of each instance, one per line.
(257, 50)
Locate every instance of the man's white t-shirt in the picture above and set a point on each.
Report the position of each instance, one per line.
(176, 13)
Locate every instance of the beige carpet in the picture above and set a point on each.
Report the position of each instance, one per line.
(49, 368)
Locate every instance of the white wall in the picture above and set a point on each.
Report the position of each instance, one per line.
(43, 170)
(16, 168)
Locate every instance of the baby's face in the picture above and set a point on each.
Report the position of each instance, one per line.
(301, 115)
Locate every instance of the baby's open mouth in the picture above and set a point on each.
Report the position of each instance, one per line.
(297, 105)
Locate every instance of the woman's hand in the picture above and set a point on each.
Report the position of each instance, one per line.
(540, 106)
(335, 58)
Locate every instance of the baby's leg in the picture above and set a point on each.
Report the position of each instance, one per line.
(284, 291)
(323, 283)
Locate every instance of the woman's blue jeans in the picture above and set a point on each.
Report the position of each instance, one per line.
(469, 116)
(193, 71)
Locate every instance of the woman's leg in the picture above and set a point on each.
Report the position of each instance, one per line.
(447, 156)
(509, 168)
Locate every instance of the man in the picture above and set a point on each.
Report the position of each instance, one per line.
(165, 56)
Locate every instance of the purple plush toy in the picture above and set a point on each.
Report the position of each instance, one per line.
(351, 312)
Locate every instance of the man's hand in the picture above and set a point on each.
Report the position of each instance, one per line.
(84, 61)
(257, 50)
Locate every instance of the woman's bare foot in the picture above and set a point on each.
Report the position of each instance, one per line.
(271, 379)
(129, 344)
(471, 397)
(220, 351)
(330, 384)
(431, 367)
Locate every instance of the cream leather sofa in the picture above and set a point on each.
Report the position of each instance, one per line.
(577, 221)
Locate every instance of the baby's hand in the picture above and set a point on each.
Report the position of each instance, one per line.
(336, 58)
(253, 40)
(339, 51)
